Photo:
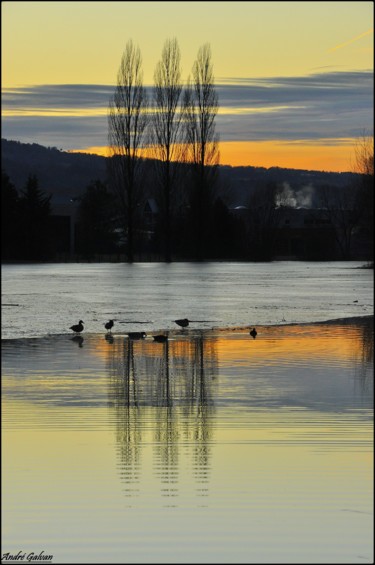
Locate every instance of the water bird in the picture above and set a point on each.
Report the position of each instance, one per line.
(108, 326)
(77, 328)
(160, 338)
(253, 333)
(137, 335)
(184, 322)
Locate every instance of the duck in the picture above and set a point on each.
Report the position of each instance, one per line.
(184, 322)
(137, 335)
(108, 326)
(77, 328)
(160, 338)
(253, 333)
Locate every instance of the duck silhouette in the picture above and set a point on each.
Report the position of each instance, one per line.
(108, 326)
(253, 333)
(77, 328)
(183, 322)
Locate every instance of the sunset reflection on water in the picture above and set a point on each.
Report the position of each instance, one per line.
(210, 447)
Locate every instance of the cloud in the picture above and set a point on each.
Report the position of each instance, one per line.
(341, 45)
(66, 133)
(57, 96)
(324, 105)
(330, 105)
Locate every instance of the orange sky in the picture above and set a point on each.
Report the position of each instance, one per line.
(287, 155)
(309, 156)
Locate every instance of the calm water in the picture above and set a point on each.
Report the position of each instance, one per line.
(40, 300)
(210, 448)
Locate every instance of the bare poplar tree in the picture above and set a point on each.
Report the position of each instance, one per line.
(127, 120)
(200, 110)
(166, 131)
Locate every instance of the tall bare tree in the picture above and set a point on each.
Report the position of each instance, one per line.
(127, 120)
(364, 167)
(200, 110)
(350, 209)
(364, 155)
(166, 131)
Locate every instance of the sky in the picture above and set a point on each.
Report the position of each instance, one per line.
(294, 79)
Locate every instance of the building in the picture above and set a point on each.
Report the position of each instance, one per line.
(304, 233)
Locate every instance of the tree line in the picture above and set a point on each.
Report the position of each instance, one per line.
(26, 223)
(255, 232)
(30, 232)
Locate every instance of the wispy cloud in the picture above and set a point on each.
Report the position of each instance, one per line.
(48, 98)
(326, 105)
(341, 45)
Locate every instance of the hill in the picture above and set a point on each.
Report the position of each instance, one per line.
(58, 172)
(65, 174)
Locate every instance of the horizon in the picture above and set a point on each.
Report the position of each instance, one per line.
(101, 152)
(250, 154)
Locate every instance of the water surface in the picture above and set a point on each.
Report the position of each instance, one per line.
(46, 299)
(213, 447)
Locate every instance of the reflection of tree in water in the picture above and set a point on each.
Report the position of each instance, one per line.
(123, 395)
(170, 386)
(199, 406)
(166, 434)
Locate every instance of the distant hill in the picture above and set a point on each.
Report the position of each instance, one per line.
(66, 175)
(58, 172)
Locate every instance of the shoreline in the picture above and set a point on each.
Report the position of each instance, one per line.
(187, 332)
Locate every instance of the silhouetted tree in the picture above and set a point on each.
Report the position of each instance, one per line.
(97, 221)
(364, 167)
(127, 122)
(10, 220)
(200, 110)
(350, 208)
(341, 208)
(364, 156)
(166, 132)
(35, 222)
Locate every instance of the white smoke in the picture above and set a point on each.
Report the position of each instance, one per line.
(302, 198)
(286, 197)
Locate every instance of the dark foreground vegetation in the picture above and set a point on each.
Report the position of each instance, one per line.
(266, 225)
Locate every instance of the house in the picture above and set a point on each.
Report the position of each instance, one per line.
(150, 213)
(304, 233)
(64, 218)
